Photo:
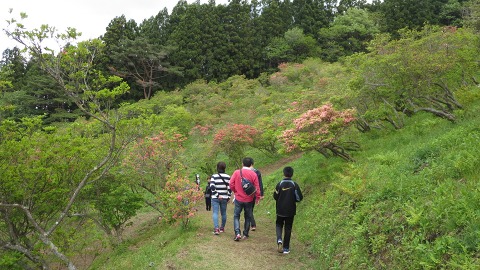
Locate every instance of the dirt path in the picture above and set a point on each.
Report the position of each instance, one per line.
(259, 251)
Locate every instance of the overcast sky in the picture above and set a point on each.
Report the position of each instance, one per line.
(91, 17)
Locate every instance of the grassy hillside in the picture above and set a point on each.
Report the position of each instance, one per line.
(409, 201)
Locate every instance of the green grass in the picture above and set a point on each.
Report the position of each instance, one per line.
(411, 200)
(153, 247)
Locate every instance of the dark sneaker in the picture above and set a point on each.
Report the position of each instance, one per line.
(237, 237)
(253, 228)
(222, 229)
(216, 232)
(280, 246)
(245, 237)
(286, 251)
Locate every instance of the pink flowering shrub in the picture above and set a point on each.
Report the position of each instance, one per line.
(152, 158)
(233, 139)
(319, 129)
(179, 199)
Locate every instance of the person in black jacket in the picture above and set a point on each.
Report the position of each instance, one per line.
(208, 195)
(253, 225)
(287, 193)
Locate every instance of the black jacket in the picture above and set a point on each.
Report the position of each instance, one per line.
(287, 194)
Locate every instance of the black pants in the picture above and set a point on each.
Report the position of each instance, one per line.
(252, 218)
(282, 222)
(208, 203)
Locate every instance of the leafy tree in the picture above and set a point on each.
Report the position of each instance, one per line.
(420, 72)
(349, 33)
(294, 46)
(150, 162)
(471, 12)
(94, 94)
(144, 62)
(320, 129)
(115, 203)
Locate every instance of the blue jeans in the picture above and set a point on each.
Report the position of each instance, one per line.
(239, 206)
(216, 204)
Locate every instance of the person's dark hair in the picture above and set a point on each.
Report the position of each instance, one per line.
(288, 172)
(221, 166)
(247, 162)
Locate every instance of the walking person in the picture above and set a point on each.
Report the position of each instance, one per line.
(243, 202)
(260, 183)
(287, 193)
(208, 195)
(220, 188)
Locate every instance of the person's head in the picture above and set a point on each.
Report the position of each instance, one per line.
(288, 172)
(247, 162)
(221, 166)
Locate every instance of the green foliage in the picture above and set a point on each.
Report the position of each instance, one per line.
(418, 73)
(349, 33)
(116, 204)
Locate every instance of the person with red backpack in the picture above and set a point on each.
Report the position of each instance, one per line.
(243, 180)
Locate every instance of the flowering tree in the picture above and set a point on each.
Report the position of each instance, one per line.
(320, 129)
(151, 160)
(233, 139)
(179, 198)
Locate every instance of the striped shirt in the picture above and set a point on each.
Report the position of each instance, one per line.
(218, 187)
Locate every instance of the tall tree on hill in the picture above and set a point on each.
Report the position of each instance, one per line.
(398, 14)
(196, 37)
(344, 5)
(155, 28)
(143, 63)
(311, 15)
(119, 29)
(239, 33)
(276, 18)
(45, 97)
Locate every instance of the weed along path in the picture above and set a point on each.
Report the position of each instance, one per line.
(259, 251)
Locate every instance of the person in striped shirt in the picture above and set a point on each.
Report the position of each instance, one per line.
(221, 193)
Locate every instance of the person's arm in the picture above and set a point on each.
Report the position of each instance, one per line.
(276, 192)
(233, 179)
(257, 187)
(299, 192)
(260, 182)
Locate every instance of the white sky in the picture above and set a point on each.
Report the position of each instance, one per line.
(91, 17)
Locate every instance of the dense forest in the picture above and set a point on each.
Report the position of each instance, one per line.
(97, 130)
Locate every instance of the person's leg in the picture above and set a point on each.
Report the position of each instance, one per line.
(288, 232)
(252, 218)
(248, 218)
(279, 227)
(208, 202)
(223, 212)
(236, 217)
(215, 205)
